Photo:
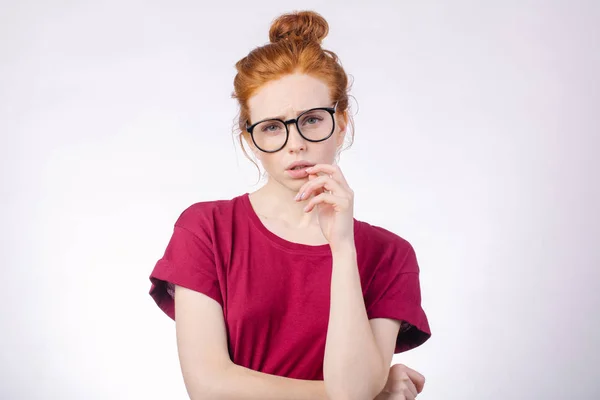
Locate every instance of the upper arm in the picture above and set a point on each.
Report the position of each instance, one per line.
(385, 331)
(394, 293)
(201, 339)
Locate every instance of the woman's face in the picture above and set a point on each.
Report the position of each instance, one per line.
(285, 99)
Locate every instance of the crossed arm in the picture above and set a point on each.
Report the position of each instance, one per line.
(358, 351)
(356, 366)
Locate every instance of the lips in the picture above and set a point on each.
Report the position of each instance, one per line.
(299, 165)
(297, 170)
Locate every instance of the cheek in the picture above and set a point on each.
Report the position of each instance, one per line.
(332, 146)
(268, 161)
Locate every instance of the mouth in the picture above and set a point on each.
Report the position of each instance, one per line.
(297, 166)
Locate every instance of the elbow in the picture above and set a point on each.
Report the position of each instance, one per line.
(364, 392)
(206, 386)
(204, 391)
(201, 390)
(365, 389)
(339, 389)
(356, 395)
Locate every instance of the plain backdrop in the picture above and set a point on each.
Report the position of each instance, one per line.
(477, 139)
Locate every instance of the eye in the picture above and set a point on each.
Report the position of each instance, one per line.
(270, 128)
(311, 120)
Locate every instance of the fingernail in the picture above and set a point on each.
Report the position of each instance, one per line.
(301, 195)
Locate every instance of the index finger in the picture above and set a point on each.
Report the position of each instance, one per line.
(334, 171)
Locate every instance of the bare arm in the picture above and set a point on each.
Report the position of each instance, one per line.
(208, 371)
(357, 359)
(243, 383)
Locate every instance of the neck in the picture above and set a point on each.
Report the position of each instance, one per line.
(275, 201)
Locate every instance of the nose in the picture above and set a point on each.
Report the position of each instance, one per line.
(295, 142)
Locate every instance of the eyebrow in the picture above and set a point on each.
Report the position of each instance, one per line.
(282, 117)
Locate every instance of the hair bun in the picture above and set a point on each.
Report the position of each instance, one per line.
(300, 26)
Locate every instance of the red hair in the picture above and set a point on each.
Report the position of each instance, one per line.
(295, 47)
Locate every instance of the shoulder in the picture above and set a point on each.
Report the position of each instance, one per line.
(379, 236)
(204, 214)
(382, 243)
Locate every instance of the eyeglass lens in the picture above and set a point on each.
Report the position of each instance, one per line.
(314, 125)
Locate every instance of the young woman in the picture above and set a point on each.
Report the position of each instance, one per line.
(282, 293)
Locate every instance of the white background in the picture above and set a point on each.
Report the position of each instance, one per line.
(477, 139)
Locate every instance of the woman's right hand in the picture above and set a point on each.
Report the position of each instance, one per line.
(403, 384)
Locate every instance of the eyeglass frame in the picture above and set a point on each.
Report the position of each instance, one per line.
(330, 110)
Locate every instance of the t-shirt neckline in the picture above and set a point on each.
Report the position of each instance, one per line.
(296, 247)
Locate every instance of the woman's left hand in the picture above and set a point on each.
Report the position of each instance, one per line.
(403, 383)
(334, 201)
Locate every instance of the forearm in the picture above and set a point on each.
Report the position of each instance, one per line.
(353, 365)
(240, 383)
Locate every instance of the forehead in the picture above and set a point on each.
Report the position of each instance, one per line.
(287, 96)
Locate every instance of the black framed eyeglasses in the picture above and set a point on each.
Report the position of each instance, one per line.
(314, 125)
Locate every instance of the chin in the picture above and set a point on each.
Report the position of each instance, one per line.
(291, 184)
(295, 184)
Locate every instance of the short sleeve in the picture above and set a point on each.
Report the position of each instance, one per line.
(188, 261)
(395, 293)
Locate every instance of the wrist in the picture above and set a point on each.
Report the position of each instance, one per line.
(345, 249)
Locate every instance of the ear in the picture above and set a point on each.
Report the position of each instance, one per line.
(343, 125)
(340, 138)
(250, 144)
(255, 151)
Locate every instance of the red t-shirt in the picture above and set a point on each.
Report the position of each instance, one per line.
(275, 293)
